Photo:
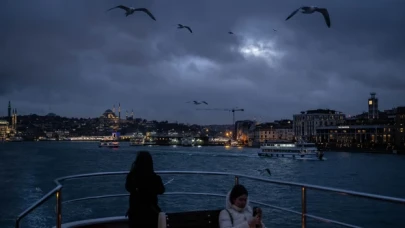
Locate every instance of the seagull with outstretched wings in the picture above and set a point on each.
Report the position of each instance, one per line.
(311, 10)
(180, 26)
(131, 10)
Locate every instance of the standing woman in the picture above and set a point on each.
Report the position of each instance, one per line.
(144, 185)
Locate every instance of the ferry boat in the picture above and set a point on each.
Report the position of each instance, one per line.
(111, 143)
(187, 141)
(201, 218)
(16, 139)
(285, 149)
(149, 143)
(137, 140)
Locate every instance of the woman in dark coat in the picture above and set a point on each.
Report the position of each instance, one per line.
(144, 185)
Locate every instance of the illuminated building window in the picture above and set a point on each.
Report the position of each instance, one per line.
(370, 102)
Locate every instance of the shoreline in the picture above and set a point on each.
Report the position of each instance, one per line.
(337, 150)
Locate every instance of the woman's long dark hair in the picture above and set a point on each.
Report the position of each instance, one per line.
(143, 164)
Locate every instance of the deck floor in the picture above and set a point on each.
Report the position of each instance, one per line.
(110, 222)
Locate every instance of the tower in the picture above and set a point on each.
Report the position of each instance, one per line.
(132, 114)
(373, 107)
(14, 119)
(126, 114)
(9, 112)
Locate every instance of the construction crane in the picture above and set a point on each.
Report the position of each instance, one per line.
(233, 110)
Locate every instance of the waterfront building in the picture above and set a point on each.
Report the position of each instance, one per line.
(242, 129)
(3, 130)
(306, 123)
(400, 129)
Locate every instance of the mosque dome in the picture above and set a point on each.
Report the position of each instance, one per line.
(109, 114)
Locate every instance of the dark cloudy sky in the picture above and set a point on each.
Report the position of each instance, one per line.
(73, 58)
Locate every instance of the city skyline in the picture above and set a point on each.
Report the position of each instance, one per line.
(129, 114)
(80, 65)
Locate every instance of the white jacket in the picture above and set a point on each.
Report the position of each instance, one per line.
(240, 218)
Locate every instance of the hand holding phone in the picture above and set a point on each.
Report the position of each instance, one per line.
(257, 214)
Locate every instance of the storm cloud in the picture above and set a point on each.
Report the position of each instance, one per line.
(75, 59)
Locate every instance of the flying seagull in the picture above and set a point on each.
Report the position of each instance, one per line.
(310, 10)
(230, 32)
(275, 30)
(204, 102)
(131, 10)
(184, 26)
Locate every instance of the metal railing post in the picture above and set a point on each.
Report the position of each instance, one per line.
(236, 180)
(304, 207)
(59, 208)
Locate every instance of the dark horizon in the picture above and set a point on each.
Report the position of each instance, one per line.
(123, 116)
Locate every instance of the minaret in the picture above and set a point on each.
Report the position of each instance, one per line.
(12, 119)
(15, 119)
(9, 112)
(119, 111)
(126, 114)
(119, 115)
(132, 114)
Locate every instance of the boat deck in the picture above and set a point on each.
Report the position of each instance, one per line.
(194, 219)
(191, 219)
(110, 222)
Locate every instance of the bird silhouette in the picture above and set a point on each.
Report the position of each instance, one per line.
(230, 33)
(311, 10)
(180, 26)
(131, 10)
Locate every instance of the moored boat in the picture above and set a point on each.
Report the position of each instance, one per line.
(187, 141)
(111, 143)
(137, 140)
(284, 149)
(16, 139)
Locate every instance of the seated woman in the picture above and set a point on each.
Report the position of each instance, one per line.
(144, 185)
(237, 212)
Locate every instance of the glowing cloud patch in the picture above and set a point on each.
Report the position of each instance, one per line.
(263, 49)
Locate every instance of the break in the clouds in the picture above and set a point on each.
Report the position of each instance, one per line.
(73, 58)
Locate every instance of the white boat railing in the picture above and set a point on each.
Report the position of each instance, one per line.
(57, 191)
